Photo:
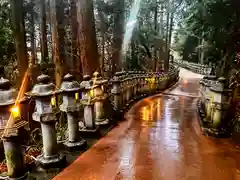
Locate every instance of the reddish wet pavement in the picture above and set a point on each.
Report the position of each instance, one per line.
(160, 139)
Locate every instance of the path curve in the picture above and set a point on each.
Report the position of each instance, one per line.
(160, 140)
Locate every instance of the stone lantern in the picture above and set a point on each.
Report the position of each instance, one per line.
(70, 91)
(221, 104)
(128, 91)
(46, 113)
(99, 99)
(130, 86)
(142, 84)
(116, 93)
(135, 84)
(145, 88)
(159, 75)
(123, 88)
(120, 78)
(137, 80)
(88, 107)
(11, 124)
(125, 91)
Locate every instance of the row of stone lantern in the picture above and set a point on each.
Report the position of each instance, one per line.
(215, 105)
(138, 84)
(197, 68)
(88, 97)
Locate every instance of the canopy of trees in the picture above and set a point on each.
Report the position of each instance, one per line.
(82, 36)
(208, 31)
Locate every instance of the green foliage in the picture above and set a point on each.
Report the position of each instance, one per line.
(215, 21)
(189, 49)
(7, 48)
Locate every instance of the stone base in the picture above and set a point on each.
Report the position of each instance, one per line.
(206, 125)
(72, 146)
(101, 122)
(56, 161)
(84, 132)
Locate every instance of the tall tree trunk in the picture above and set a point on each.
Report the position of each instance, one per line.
(43, 32)
(199, 50)
(61, 33)
(103, 29)
(32, 36)
(170, 33)
(102, 52)
(74, 49)
(87, 37)
(59, 63)
(118, 33)
(156, 33)
(161, 29)
(20, 39)
(202, 54)
(166, 60)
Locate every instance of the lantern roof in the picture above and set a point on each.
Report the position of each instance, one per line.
(44, 87)
(69, 84)
(7, 94)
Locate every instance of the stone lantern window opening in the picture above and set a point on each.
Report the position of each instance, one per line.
(53, 101)
(15, 112)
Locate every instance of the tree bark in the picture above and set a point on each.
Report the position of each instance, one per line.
(74, 46)
(20, 38)
(161, 29)
(103, 30)
(32, 36)
(102, 52)
(202, 51)
(156, 33)
(118, 33)
(87, 37)
(43, 32)
(166, 60)
(59, 63)
(170, 34)
(61, 33)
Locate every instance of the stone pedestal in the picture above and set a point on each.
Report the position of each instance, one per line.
(89, 129)
(14, 158)
(99, 111)
(89, 116)
(74, 139)
(51, 157)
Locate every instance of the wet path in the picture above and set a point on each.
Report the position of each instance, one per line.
(161, 140)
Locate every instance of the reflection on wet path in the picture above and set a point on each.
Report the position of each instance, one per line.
(160, 140)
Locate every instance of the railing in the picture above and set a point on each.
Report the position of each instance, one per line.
(93, 99)
(194, 67)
